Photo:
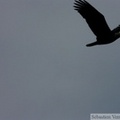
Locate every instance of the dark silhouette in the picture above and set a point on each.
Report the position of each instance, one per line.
(97, 23)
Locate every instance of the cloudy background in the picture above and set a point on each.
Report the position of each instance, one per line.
(46, 71)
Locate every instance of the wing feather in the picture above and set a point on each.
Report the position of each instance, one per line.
(94, 18)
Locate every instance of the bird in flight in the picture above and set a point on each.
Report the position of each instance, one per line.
(97, 23)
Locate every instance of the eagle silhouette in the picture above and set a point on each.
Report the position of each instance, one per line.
(97, 23)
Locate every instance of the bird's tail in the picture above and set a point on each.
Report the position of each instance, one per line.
(91, 44)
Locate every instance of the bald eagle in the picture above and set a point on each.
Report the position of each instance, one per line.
(97, 23)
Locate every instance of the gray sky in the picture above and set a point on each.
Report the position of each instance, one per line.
(46, 71)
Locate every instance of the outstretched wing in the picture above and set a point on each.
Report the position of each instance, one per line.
(95, 19)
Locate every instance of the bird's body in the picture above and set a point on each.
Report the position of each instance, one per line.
(97, 24)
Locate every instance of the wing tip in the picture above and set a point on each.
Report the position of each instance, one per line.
(80, 3)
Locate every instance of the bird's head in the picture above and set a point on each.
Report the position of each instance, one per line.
(117, 35)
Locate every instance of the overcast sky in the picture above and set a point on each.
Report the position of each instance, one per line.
(46, 71)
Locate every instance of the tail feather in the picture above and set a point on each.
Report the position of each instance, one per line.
(91, 44)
